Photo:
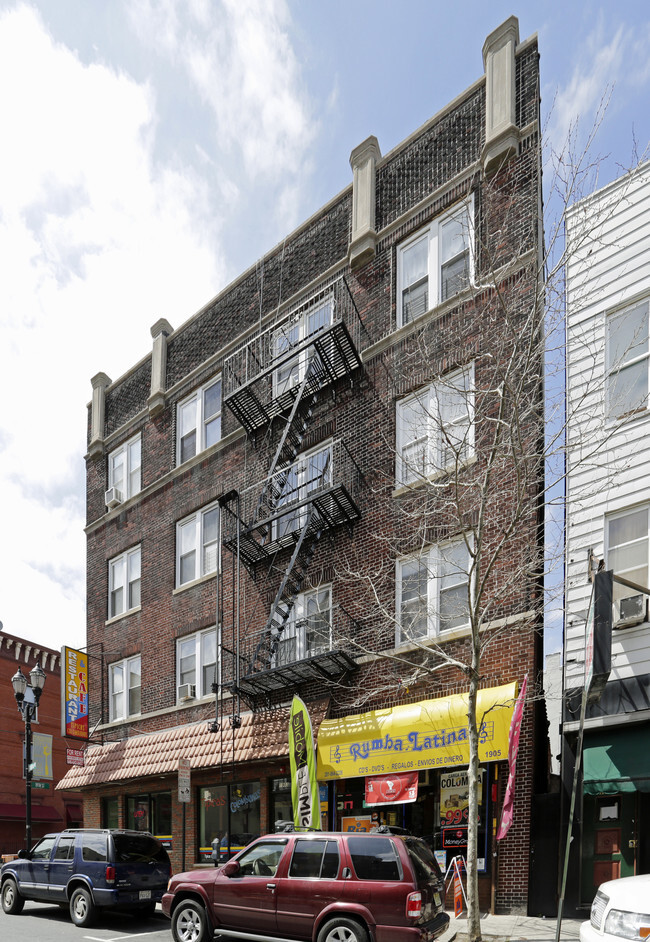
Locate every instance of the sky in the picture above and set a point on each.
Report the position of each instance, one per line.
(151, 150)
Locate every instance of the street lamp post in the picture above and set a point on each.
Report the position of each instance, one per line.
(27, 707)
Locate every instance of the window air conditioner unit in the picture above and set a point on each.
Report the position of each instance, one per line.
(632, 611)
(187, 692)
(113, 497)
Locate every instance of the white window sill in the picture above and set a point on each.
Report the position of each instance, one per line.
(194, 582)
(131, 611)
(432, 478)
(121, 720)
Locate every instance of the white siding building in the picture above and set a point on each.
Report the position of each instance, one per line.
(608, 522)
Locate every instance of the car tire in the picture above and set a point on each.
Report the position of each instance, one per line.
(12, 901)
(82, 908)
(189, 922)
(342, 929)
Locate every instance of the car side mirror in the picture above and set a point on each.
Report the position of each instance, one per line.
(23, 854)
(231, 869)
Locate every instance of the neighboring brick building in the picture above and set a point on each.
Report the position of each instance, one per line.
(269, 470)
(51, 810)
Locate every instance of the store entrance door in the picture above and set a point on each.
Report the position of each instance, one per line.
(609, 840)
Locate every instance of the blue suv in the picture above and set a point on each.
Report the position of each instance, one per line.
(87, 869)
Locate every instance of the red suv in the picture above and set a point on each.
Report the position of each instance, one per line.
(322, 886)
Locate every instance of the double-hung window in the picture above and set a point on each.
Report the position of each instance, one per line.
(197, 545)
(628, 554)
(434, 265)
(124, 583)
(308, 630)
(298, 329)
(628, 360)
(196, 664)
(435, 427)
(311, 472)
(432, 592)
(124, 685)
(199, 421)
(124, 464)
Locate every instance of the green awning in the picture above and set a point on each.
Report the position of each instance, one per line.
(617, 760)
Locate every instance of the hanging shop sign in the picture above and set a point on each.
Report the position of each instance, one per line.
(429, 734)
(390, 789)
(74, 694)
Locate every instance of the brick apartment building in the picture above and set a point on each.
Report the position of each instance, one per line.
(51, 809)
(270, 503)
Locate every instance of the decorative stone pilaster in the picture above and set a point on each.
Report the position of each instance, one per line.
(160, 332)
(99, 383)
(501, 131)
(363, 161)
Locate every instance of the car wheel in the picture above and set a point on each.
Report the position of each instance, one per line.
(12, 901)
(82, 908)
(189, 922)
(342, 929)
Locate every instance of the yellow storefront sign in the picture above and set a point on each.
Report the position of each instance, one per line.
(430, 734)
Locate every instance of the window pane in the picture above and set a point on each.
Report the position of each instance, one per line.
(188, 568)
(627, 336)
(374, 859)
(632, 526)
(319, 316)
(628, 388)
(210, 543)
(454, 276)
(187, 661)
(415, 262)
(116, 470)
(212, 431)
(212, 401)
(414, 598)
(454, 237)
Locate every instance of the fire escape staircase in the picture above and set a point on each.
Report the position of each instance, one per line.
(328, 356)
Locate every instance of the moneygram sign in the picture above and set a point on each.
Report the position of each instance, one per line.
(74, 694)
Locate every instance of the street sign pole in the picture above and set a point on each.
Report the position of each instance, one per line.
(184, 794)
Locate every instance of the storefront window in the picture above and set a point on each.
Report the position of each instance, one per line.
(150, 813)
(110, 813)
(229, 814)
(281, 807)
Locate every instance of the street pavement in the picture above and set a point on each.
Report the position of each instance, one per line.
(515, 928)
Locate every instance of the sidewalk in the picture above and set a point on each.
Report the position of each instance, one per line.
(515, 928)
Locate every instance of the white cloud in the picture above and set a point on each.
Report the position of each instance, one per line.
(239, 57)
(97, 242)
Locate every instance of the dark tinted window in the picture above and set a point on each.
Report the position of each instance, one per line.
(131, 848)
(64, 849)
(374, 858)
(94, 846)
(424, 862)
(330, 868)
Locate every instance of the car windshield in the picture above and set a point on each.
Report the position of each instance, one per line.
(136, 849)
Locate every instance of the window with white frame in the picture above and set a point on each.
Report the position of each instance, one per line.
(124, 685)
(434, 265)
(311, 472)
(124, 583)
(302, 325)
(435, 427)
(432, 591)
(628, 360)
(197, 545)
(199, 421)
(124, 465)
(628, 548)
(308, 630)
(196, 664)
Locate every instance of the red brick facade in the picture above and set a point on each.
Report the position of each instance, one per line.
(51, 809)
(435, 170)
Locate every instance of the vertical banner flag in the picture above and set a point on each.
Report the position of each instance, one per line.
(305, 796)
(513, 749)
(74, 694)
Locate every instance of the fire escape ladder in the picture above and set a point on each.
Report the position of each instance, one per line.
(291, 440)
(291, 584)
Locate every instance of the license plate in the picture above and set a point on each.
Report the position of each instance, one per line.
(145, 894)
(436, 897)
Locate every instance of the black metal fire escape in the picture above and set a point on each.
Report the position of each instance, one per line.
(279, 516)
